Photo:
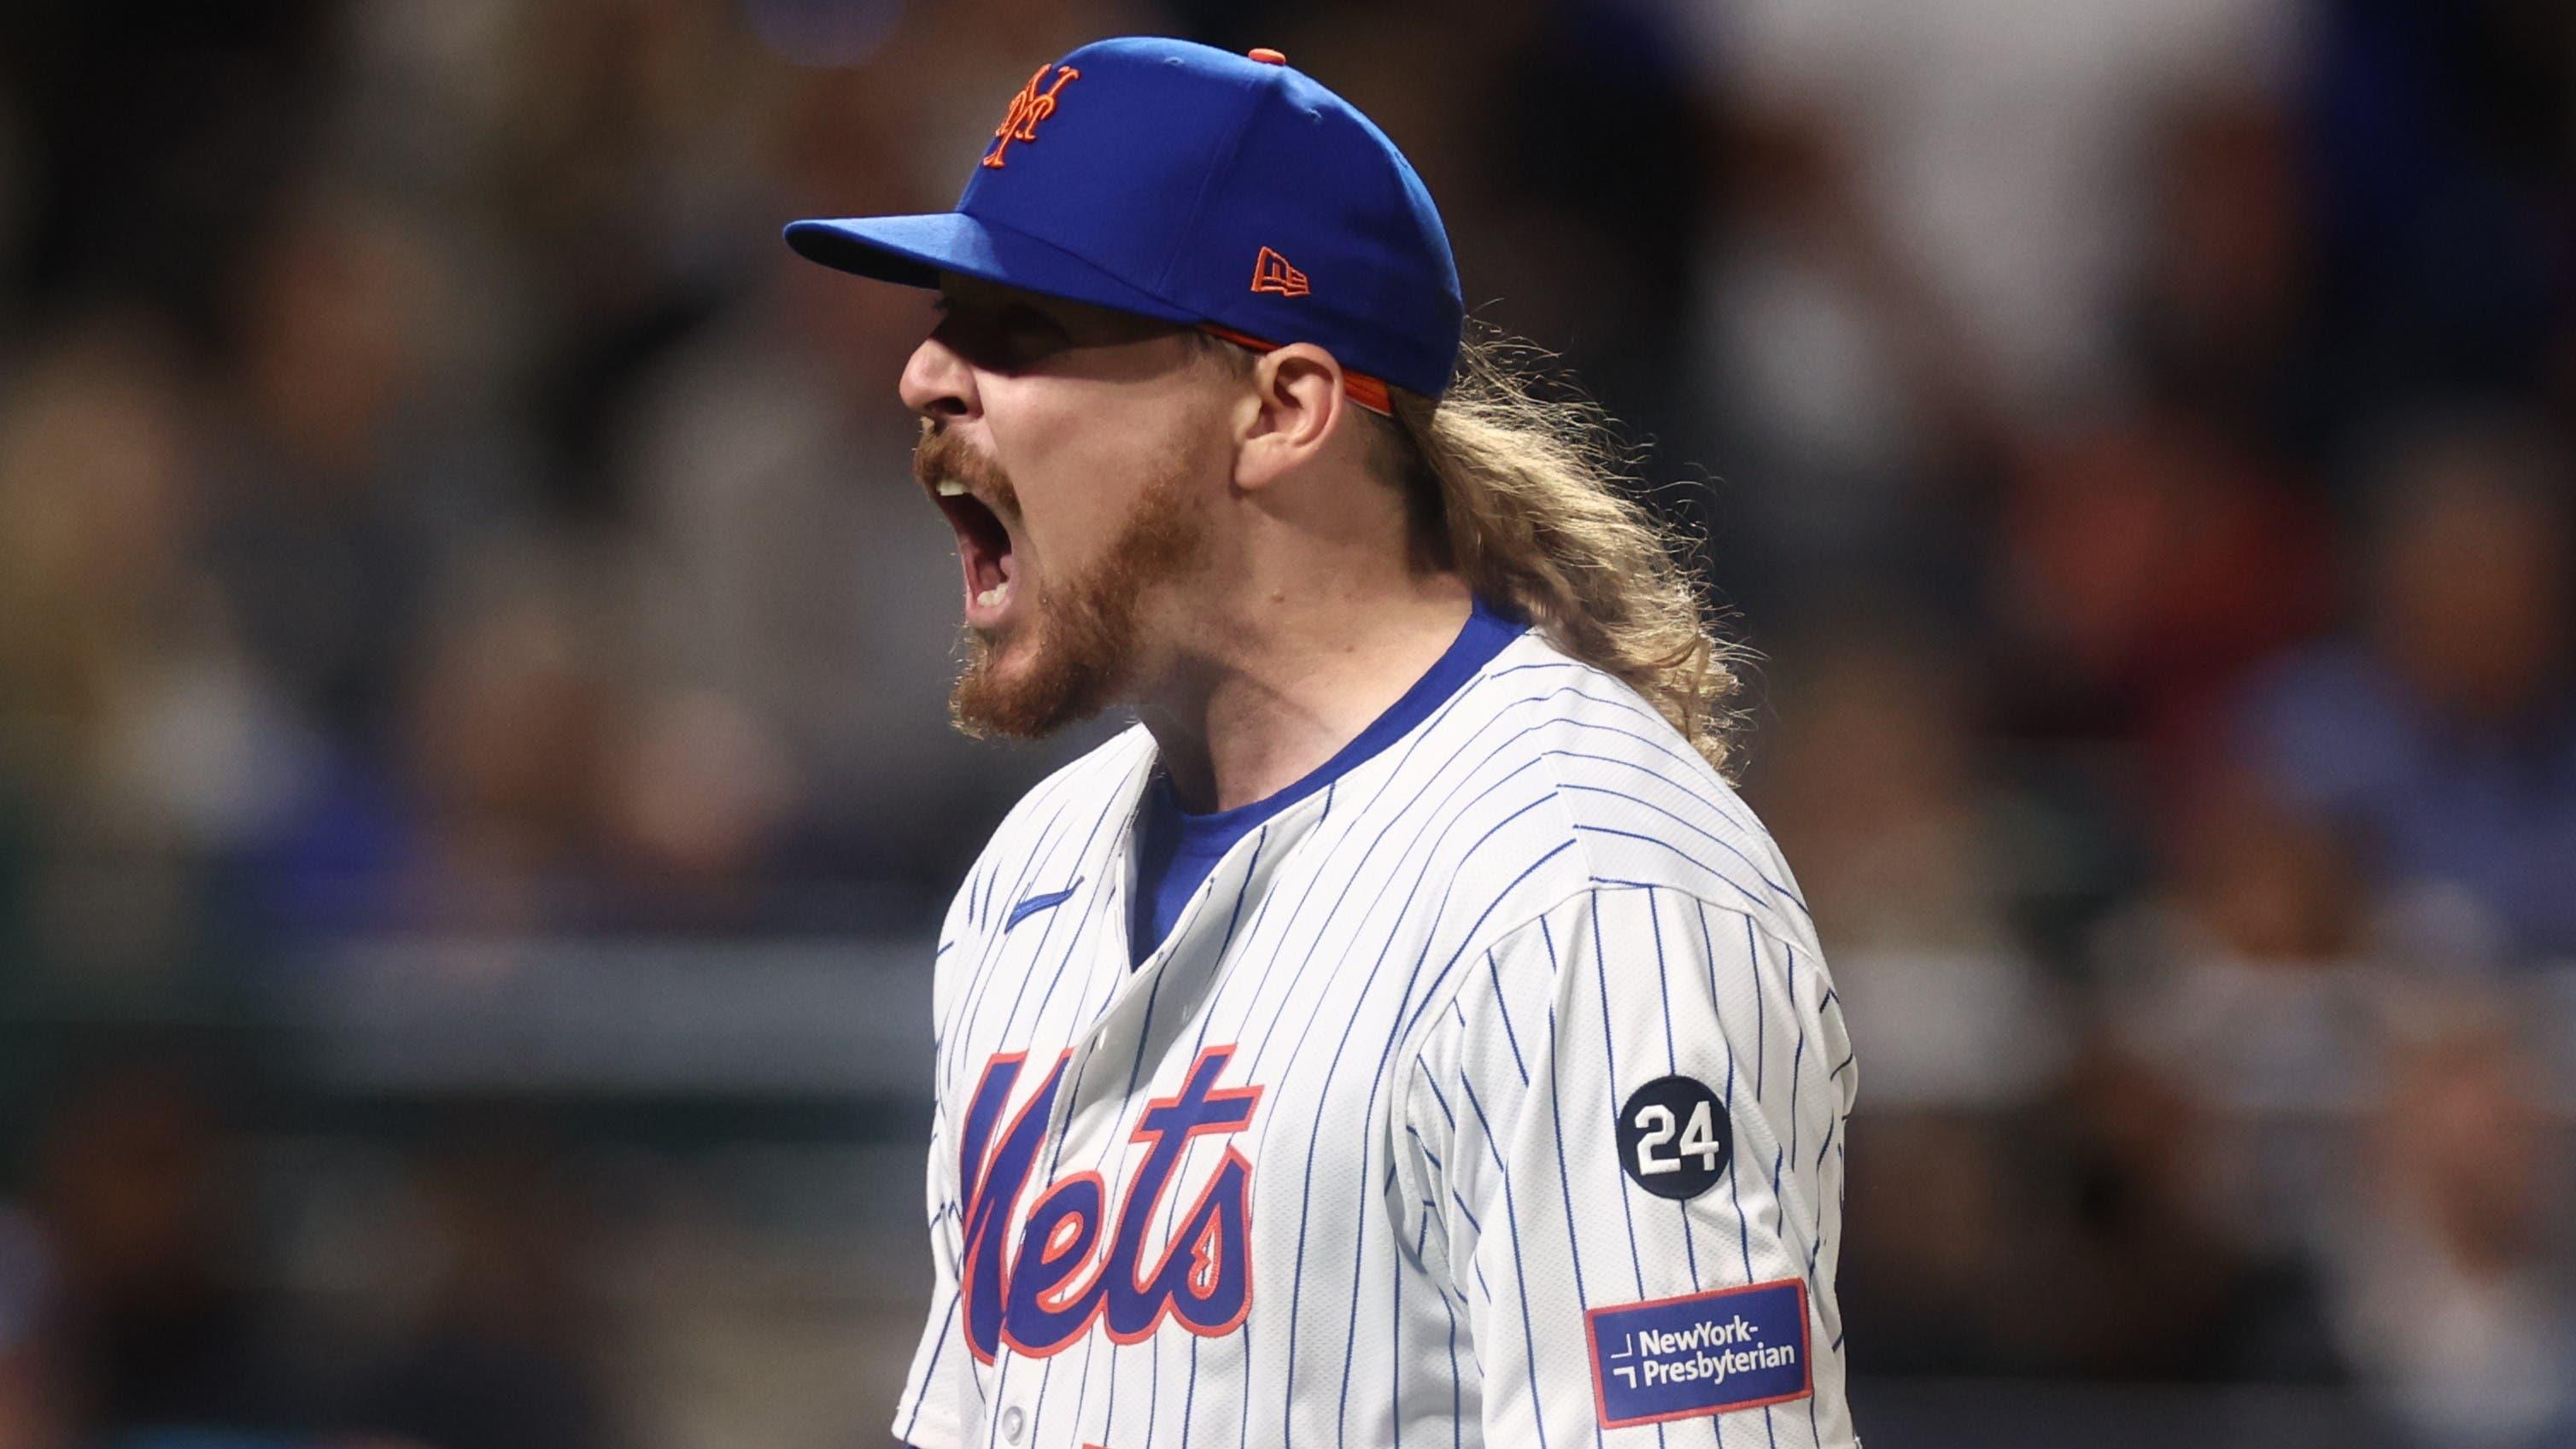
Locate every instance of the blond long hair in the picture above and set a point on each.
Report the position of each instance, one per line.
(1525, 492)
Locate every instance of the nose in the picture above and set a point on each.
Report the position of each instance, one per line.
(937, 383)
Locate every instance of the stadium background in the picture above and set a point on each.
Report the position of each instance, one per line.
(474, 792)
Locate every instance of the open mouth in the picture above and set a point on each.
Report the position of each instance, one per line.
(983, 551)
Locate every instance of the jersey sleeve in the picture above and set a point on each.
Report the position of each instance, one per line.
(930, 1412)
(1627, 1137)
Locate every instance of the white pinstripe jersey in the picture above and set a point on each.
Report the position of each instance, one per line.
(1367, 1151)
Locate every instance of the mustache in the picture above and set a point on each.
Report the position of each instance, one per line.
(943, 454)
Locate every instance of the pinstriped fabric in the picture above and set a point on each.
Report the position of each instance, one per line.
(1610, 989)
(1442, 975)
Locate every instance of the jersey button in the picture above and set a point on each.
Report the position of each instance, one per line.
(1013, 1421)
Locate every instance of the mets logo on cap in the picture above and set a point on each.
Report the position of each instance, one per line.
(1030, 106)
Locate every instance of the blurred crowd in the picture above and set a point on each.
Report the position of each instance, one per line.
(2137, 437)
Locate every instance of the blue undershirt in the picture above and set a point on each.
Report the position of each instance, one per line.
(1175, 849)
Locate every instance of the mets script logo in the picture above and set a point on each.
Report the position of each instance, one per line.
(1041, 1294)
(1030, 106)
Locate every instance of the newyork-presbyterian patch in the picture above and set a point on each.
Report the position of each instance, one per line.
(1703, 1353)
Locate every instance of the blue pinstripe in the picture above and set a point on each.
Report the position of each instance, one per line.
(1691, 764)
(1520, 1270)
(1711, 836)
(1441, 1101)
(1761, 1015)
(1673, 1063)
(1190, 1397)
(1694, 861)
(1564, 1178)
(1394, 1339)
(1734, 1191)
(1425, 1149)
(1675, 817)
(1468, 1213)
(930, 1375)
(1504, 1011)
(1457, 1429)
(1610, 1055)
(1800, 1055)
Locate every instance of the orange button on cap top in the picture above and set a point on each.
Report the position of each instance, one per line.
(1266, 55)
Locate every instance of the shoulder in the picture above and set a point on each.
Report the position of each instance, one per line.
(1569, 763)
(1054, 818)
(1094, 777)
(1074, 795)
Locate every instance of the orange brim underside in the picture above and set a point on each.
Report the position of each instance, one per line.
(1369, 392)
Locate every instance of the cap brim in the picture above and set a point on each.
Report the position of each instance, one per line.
(914, 250)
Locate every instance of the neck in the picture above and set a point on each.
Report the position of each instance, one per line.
(1287, 677)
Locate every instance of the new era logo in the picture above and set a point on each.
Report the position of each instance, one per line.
(1271, 273)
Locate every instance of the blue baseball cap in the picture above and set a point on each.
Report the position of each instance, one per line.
(1197, 186)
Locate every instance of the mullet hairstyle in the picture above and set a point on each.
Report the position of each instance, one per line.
(1524, 488)
(1529, 494)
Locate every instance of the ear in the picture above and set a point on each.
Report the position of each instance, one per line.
(1295, 404)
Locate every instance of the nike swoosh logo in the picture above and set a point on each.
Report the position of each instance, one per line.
(1035, 904)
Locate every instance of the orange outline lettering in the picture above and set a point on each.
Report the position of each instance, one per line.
(1030, 106)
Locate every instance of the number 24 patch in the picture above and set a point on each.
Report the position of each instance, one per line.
(1674, 1137)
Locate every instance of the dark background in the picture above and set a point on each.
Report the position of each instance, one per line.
(474, 790)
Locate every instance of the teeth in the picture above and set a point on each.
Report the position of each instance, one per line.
(950, 488)
(992, 598)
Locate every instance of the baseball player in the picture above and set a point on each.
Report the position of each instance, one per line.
(1402, 1034)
